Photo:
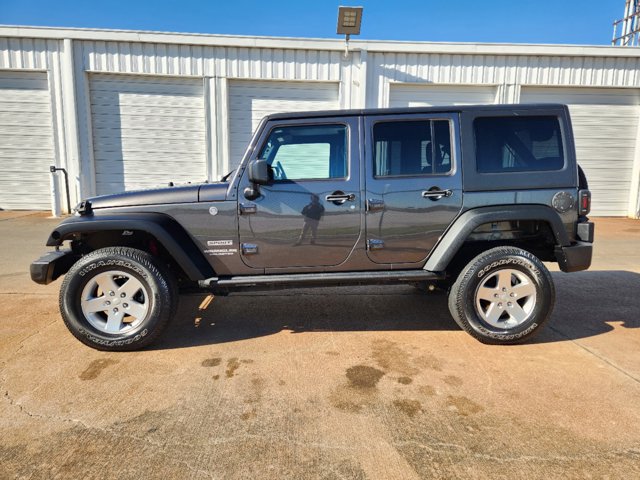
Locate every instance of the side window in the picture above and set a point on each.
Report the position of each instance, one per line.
(518, 144)
(309, 152)
(412, 148)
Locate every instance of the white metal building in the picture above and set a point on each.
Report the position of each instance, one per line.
(124, 110)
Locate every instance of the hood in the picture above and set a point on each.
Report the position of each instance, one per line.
(179, 194)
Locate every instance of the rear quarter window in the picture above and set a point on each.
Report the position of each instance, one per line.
(518, 144)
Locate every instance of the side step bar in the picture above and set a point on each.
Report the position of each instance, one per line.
(320, 279)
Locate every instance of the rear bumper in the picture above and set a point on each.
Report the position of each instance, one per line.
(51, 265)
(575, 257)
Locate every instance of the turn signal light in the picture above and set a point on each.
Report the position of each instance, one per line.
(585, 202)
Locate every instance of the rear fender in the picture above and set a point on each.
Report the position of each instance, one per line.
(459, 231)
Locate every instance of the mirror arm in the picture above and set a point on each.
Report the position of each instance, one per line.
(252, 192)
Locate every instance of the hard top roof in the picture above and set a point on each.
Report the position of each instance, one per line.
(520, 107)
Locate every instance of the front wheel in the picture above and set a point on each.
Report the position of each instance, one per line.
(503, 296)
(117, 299)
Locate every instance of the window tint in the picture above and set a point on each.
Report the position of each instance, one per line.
(518, 144)
(412, 148)
(307, 152)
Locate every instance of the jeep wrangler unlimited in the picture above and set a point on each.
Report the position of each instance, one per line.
(470, 198)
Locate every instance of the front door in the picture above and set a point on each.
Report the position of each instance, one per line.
(413, 184)
(310, 214)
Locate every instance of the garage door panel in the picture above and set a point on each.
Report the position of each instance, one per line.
(155, 100)
(26, 141)
(407, 95)
(141, 169)
(183, 136)
(12, 107)
(176, 149)
(147, 85)
(249, 102)
(147, 131)
(135, 121)
(9, 152)
(24, 95)
(147, 111)
(605, 125)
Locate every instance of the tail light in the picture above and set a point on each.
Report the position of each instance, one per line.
(584, 198)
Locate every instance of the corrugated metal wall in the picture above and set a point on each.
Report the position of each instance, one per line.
(231, 62)
(508, 72)
(365, 77)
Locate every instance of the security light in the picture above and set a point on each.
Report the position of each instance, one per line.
(349, 20)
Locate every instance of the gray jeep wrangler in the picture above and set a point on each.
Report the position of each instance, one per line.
(472, 199)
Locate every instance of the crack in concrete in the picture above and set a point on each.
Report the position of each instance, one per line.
(436, 447)
(108, 431)
(40, 416)
(37, 332)
(629, 453)
(35, 294)
(18, 217)
(595, 354)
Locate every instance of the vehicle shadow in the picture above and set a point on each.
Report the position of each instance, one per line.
(587, 304)
(592, 303)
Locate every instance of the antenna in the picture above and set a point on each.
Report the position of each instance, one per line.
(627, 30)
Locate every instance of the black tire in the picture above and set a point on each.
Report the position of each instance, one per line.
(157, 297)
(467, 305)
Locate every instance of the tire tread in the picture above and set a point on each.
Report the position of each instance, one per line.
(168, 287)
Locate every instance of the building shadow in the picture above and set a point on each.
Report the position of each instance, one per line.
(587, 304)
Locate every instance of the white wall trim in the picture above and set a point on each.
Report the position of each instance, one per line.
(56, 188)
(209, 94)
(582, 86)
(222, 126)
(71, 137)
(362, 79)
(9, 69)
(634, 190)
(444, 84)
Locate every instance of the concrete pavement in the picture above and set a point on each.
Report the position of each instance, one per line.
(367, 382)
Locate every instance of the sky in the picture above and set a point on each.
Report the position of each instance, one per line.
(500, 21)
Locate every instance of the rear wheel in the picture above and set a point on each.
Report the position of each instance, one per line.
(503, 296)
(118, 298)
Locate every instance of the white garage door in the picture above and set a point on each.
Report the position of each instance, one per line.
(250, 101)
(404, 95)
(605, 125)
(26, 141)
(147, 131)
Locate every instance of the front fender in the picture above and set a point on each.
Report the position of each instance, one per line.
(166, 230)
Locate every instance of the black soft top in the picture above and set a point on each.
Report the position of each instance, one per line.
(515, 107)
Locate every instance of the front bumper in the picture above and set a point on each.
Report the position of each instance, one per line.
(575, 257)
(51, 265)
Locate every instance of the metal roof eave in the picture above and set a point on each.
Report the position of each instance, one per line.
(240, 41)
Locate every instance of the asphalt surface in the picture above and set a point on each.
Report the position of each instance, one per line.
(362, 383)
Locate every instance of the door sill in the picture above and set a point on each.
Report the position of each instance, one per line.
(323, 279)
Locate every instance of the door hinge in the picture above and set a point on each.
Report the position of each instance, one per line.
(249, 249)
(247, 208)
(375, 244)
(375, 205)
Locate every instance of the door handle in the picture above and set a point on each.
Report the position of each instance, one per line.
(436, 194)
(339, 197)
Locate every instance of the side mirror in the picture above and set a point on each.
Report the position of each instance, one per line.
(259, 172)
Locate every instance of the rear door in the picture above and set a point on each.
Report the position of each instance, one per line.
(310, 213)
(413, 184)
